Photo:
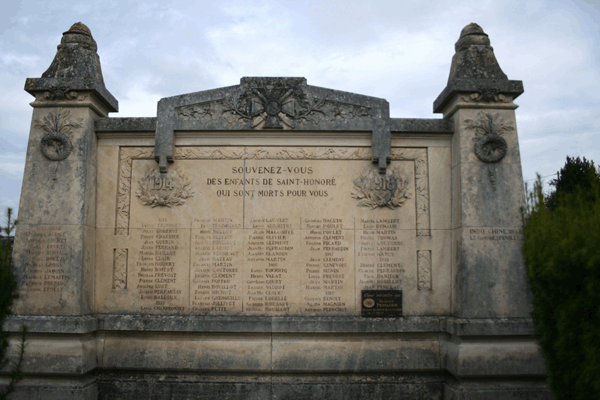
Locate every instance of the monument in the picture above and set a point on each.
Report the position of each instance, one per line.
(274, 240)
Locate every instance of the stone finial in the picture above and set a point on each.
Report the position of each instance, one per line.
(475, 69)
(474, 58)
(76, 67)
(76, 56)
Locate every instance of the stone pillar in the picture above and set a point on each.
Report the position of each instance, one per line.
(489, 277)
(54, 248)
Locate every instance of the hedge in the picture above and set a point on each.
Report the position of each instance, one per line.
(562, 254)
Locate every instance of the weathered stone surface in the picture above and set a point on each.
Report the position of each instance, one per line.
(487, 220)
(481, 358)
(51, 324)
(489, 327)
(273, 387)
(274, 104)
(353, 354)
(138, 387)
(75, 68)
(76, 355)
(380, 387)
(242, 324)
(499, 390)
(470, 129)
(55, 241)
(56, 389)
(474, 58)
(278, 206)
(491, 278)
(475, 69)
(125, 124)
(420, 125)
(49, 272)
(188, 352)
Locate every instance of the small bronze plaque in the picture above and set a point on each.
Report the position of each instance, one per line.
(381, 303)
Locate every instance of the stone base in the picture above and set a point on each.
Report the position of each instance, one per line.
(498, 390)
(177, 357)
(182, 387)
(139, 386)
(54, 389)
(261, 387)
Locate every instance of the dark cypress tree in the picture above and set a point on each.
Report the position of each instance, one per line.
(577, 173)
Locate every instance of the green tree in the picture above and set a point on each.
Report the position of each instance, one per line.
(576, 173)
(562, 254)
(8, 293)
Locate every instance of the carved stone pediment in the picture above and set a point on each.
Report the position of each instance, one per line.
(272, 104)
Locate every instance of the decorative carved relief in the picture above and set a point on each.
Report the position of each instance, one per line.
(55, 144)
(120, 268)
(274, 109)
(424, 269)
(61, 93)
(492, 176)
(128, 154)
(419, 156)
(126, 157)
(164, 190)
(374, 190)
(195, 111)
(296, 153)
(490, 147)
(488, 95)
(336, 111)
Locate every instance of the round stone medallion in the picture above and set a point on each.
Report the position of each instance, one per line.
(273, 108)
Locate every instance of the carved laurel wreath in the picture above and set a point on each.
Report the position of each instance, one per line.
(153, 192)
(490, 147)
(374, 190)
(55, 144)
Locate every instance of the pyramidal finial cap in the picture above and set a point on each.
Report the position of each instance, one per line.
(79, 27)
(472, 29)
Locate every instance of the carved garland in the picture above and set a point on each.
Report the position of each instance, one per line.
(488, 95)
(424, 269)
(55, 145)
(490, 147)
(60, 93)
(128, 154)
(266, 112)
(120, 268)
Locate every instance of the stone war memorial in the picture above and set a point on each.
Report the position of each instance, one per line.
(274, 240)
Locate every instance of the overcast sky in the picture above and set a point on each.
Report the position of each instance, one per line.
(397, 50)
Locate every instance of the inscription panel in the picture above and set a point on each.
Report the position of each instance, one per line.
(49, 273)
(262, 231)
(46, 269)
